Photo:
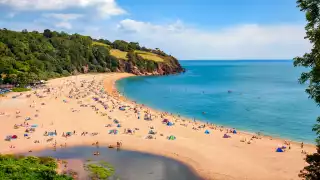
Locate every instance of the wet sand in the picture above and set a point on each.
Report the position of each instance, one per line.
(210, 155)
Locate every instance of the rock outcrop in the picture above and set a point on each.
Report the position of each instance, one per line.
(170, 66)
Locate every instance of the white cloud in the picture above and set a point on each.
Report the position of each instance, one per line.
(63, 17)
(106, 8)
(64, 25)
(247, 41)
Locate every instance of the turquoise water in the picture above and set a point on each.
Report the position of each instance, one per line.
(266, 96)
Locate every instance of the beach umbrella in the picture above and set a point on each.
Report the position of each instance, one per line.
(207, 132)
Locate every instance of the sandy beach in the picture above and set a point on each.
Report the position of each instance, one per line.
(87, 106)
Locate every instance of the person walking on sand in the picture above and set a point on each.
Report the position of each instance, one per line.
(301, 145)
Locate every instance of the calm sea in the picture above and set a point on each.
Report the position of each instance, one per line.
(256, 96)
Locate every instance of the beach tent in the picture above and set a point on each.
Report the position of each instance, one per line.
(207, 132)
(68, 133)
(171, 137)
(169, 124)
(226, 136)
(51, 134)
(279, 150)
(234, 131)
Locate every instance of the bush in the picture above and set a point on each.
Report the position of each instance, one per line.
(20, 89)
(20, 167)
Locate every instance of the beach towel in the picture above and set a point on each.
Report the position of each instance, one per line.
(34, 125)
(113, 131)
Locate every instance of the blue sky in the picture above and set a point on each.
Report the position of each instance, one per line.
(187, 29)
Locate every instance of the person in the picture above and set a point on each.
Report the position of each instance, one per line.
(119, 144)
(301, 145)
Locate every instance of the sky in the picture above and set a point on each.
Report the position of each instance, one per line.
(186, 29)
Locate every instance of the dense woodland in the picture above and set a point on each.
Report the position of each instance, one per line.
(26, 57)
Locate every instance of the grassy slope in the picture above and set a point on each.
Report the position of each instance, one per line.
(100, 44)
(123, 55)
(149, 56)
(119, 54)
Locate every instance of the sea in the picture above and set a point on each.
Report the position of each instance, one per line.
(251, 95)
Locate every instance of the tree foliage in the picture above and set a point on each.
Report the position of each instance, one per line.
(26, 57)
(29, 168)
(311, 60)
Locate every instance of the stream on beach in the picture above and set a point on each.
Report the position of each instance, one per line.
(129, 165)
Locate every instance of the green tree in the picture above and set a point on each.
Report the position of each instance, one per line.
(121, 45)
(312, 61)
(29, 56)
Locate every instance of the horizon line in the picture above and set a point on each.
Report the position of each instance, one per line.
(235, 59)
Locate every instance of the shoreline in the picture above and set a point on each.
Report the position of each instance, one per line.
(116, 93)
(208, 155)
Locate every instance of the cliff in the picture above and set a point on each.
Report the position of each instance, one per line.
(26, 57)
(140, 66)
